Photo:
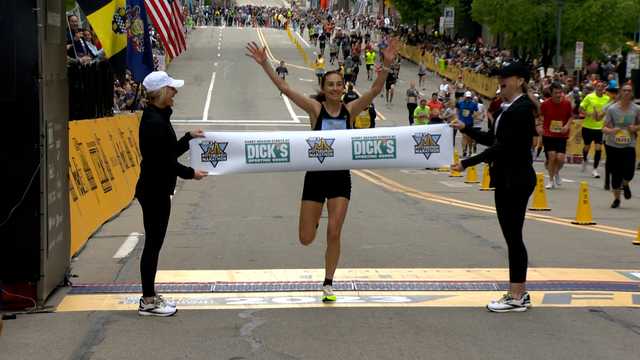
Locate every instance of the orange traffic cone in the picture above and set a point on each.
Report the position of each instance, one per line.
(456, 159)
(472, 176)
(583, 212)
(539, 195)
(637, 240)
(486, 180)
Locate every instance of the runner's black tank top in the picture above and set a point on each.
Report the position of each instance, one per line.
(327, 122)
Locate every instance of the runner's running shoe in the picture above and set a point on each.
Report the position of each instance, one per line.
(595, 174)
(157, 308)
(558, 181)
(627, 191)
(168, 302)
(327, 294)
(508, 304)
(550, 185)
(615, 204)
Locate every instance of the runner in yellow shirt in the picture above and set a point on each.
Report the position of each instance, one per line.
(592, 105)
(421, 113)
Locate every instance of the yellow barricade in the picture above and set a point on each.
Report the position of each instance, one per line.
(104, 164)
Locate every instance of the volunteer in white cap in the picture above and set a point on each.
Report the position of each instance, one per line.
(159, 168)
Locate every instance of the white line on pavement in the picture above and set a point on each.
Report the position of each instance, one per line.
(303, 40)
(215, 64)
(239, 121)
(240, 124)
(205, 113)
(290, 108)
(127, 246)
(218, 54)
(309, 80)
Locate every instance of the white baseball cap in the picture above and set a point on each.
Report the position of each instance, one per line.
(468, 94)
(159, 79)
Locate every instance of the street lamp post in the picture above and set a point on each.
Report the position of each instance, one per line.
(558, 57)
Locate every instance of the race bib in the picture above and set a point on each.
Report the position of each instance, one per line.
(334, 124)
(623, 137)
(413, 99)
(555, 126)
(465, 113)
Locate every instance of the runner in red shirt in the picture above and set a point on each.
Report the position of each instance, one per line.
(554, 125)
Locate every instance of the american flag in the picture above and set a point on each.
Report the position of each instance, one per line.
(168, 20)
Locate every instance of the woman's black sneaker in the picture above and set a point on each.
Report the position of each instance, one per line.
(626, 191)
(615, 204)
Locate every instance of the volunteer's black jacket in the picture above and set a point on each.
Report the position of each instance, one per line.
(509, 150)
(160, 150)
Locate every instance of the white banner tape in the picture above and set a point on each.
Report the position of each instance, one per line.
(426, 146)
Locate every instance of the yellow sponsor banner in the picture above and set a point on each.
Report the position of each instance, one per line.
(104, 164)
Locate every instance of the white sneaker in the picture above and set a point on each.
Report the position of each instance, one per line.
(508, 304)
(157, 308)
(595, 174)
(327, 294)
(166, 301)
(558, 181)
(550, 185)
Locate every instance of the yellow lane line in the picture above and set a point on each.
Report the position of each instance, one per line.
(394, 186)
(405, 299)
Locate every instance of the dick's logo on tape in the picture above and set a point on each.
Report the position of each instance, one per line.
(373, 147)
(426, 144)
(320, 148)
(213, 152)
(267, 151)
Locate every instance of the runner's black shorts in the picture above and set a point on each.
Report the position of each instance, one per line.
(622, 163)
(591, 135)
(369, 66)
(388, 86)
(554, 144)
(322, 185)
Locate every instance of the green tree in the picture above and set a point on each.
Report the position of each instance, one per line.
(529, 26)
(418, 12)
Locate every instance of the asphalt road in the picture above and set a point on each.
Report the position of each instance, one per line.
(414, 220)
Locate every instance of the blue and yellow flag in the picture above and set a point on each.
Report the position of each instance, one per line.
(139, 55)
(109, 20)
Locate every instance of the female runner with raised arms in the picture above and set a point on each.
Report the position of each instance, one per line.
(327, 112)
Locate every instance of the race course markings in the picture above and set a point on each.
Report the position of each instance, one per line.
(280, 288)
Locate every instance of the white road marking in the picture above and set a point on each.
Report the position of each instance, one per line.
(636, 274)
(303, 40)
(218, 54)
(127, 246)
(290, 108)
(309, 80)
(415, 172)
(205, 113)
(215, 64)
(563, 179)
(455, 184)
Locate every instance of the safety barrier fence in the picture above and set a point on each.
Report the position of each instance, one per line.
(104, 164)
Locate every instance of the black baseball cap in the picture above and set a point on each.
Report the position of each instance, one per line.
(512, 69)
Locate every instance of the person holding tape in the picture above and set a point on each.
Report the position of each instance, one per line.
(509, 141)
(159, 168)
(327, 112)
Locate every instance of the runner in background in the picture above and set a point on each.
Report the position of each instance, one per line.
(412, 100)
(319, 65)
(422, 73)
(370, 60)
(553, 125)
(622, 122)
(421, 113)
(592, 105)
(467, 111)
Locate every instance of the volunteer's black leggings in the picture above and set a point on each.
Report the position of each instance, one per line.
(511, 206)
(156, 210)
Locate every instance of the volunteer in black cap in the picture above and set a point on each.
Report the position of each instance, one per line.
(159, 168)
(508, 154)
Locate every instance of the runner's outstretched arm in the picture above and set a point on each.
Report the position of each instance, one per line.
(311, 106)
(357, 106)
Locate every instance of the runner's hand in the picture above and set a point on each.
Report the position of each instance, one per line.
(457, 167)
(199, 174)
(566, 128)
(258, 54)
(457, 124)
(198, 133)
